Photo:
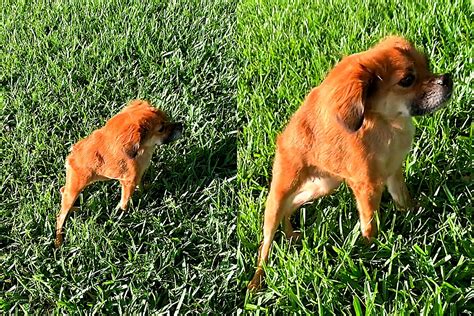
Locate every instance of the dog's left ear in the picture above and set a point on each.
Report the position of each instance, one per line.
(351, 98)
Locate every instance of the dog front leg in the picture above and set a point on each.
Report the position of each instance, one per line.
(128, 187)
(398, 190)
(368, 196)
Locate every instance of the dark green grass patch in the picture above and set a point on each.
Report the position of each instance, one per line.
(422, 261)
(65, 68)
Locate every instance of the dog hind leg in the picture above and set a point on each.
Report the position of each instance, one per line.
(75, 183)
(311, 189)
(276, 207)
(284, 198)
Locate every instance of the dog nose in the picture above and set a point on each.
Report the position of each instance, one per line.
(178, 126)
(445, 80)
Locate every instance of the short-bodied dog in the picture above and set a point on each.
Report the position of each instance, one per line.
(354, 127)
(121, 150)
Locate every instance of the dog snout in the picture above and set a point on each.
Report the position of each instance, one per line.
(447, 83)
(437, 91)
(176, 132)
(445, 80)
(178, 127)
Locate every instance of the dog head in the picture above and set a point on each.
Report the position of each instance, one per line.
(169, 132)
(146, 126)
(391, 79)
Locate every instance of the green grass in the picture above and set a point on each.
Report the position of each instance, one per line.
(422, 261)
(65, 68)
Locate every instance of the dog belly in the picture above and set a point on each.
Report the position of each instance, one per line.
(313, 188)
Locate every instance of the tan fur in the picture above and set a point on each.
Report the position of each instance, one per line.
(120, 150)
(354, 127)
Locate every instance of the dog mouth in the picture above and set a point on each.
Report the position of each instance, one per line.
(177, 131)
(438, 90)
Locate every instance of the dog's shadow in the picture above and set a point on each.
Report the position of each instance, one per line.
(193, 170)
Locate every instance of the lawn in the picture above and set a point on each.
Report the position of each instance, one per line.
(422, 261)
(65, 68)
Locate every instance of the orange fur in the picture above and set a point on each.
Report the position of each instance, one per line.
(354, 127)
(120, 150)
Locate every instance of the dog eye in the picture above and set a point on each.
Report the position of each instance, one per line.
(407, 81)
(160, 129)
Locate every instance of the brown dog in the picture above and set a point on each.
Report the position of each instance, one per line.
(120, 150)
(355, 127)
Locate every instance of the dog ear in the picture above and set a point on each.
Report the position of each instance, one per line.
(351, 115)
(351, 98)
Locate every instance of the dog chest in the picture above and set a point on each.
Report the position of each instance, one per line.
(396, 147)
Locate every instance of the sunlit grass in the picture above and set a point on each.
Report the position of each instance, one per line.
(66, 68)
(422, 261)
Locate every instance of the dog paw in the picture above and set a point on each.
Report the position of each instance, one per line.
(406, 205)
(402, 199)
(58, 241)
(368, 240)
(368, 232)
(294, 237)
(122, 206)
(256, 283)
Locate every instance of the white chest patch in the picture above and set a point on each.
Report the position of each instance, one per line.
(397, 147)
